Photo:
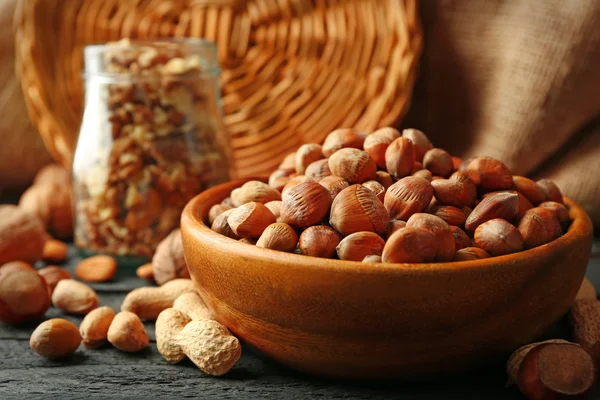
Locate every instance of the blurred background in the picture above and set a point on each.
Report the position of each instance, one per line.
(513, 79)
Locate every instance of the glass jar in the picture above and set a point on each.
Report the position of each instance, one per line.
(151, 138)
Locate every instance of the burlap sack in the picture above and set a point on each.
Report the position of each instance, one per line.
(22, 152)
(518, 80)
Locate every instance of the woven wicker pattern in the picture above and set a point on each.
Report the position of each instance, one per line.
(293, 70)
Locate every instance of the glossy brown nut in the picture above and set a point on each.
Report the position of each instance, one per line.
(410, 245)
(551, 191)
(539, 226)
(529, 189)
(305, 205)
(420, 141)
(357, 209)
(408, 196)
(357, 246)
(355, 166)
(461, 239)
(440, 229)
(250, 220)
(498, 237)
(318, 170)
(343, 138)
(400, 158)
(278, 236)
(319, 241)
(470, 253)
(561, 212)
(503, 205)
(377, 143)
(491, 174)
(306, 155)
(439, 162)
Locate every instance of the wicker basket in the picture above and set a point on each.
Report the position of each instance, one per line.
(293, 70)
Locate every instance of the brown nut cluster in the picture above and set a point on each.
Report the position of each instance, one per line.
(163, 145)
(392, 197)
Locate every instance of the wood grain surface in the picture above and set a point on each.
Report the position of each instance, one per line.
(107, 373)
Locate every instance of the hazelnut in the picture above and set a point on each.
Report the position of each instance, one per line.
(439, 162)
(250, 219)
(498, 237)
(221, 226)
(503, 205)
(375, 187)
(524, 204)
(539, 226)
(393, 226)
(278, 179)
(355, 166)
(305, 205)
(343, 138)
(410, 245)
(289, 163)
(278, 173)
(24, 294)
(293, 182)
(357, 209)
(561, 212)
(489, 173)
(275, 208)
(357, 246)
(319, 241)
(384, 178)
(441, 230)
(278, 236)
(423, 173)
(551, 191)
(400, 157)
(306, 155)
(470, 253)
(408, 196)
(420, 141)
(454, 193)
(372, 259)
(215, 211)
(461, 240)
(318, 170)
(334, 185)
(452, 215)
(377, 143)
(55, 338)
(529, 189)
(256, 191)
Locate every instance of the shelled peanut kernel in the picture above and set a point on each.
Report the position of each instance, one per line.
(392, 197)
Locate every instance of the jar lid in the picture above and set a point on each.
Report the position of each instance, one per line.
(146, 59)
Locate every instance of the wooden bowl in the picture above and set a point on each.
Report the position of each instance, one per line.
(379, 321)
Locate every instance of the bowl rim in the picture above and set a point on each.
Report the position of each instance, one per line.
(192, 221)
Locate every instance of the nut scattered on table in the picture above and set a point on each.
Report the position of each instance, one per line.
(100, 268)
(24, 294)
(148, 302)
(74, 297)
(127, 333)
(94, 327)
(55, 338)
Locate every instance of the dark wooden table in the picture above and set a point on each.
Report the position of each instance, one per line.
(109, 373)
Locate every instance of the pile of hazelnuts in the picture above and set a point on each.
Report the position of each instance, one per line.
(391, 197)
